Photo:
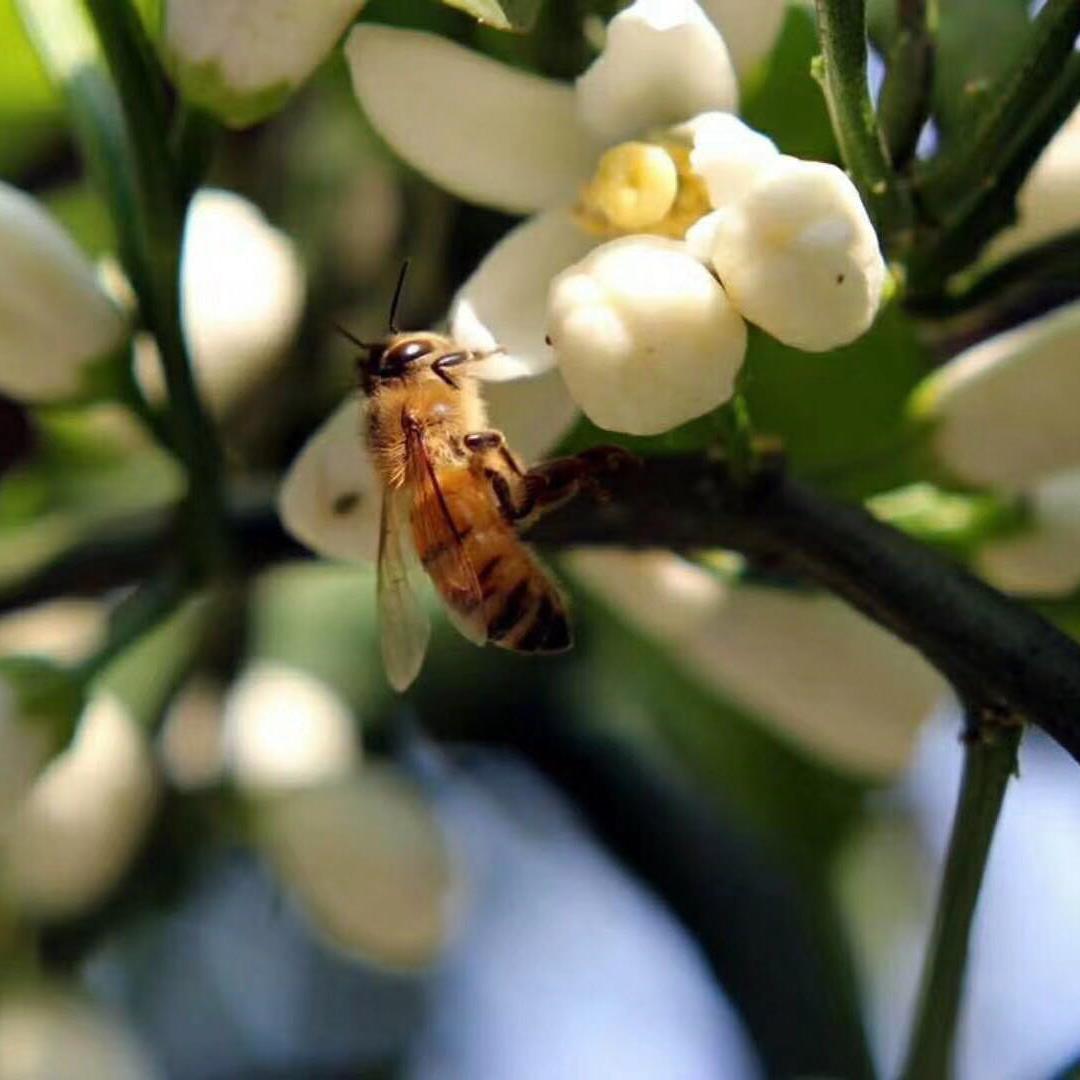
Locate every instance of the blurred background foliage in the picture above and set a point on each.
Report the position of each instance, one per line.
(614, 772)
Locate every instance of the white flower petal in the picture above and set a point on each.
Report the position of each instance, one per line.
(54, 316)
(1047, 204)
(1044, 560)
(366, 860)
(1005, 410)
(487, 132)
(504, 303)
(645, 337)
(728, 155)
(749, 29)
(330, 498)
(47, 1033)
(285, 728)
(663, 63)
(799, 257)
(242, 58)
(817, 672)
(82, 821)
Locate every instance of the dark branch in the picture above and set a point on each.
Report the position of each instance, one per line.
(994, 650)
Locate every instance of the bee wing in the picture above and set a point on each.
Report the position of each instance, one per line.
(435, 531)
(404, 626)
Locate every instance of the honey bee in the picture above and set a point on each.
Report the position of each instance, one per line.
(454, 496)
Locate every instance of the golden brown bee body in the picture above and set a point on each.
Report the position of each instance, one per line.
(453, 495)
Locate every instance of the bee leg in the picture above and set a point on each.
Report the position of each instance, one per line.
(555, 482)
(448, 361)
(511, 511)
(479, 442)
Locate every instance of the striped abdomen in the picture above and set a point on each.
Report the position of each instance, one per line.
(484, 573)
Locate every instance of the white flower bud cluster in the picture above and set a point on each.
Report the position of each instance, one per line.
(649, 333)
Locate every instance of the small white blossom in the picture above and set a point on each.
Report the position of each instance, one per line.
(818, 673)
(76, 830)
(330, 498)
(729, 156)
(55, 318)
(285, 728)
(1004, 412)
(243, 58)
(797, 255)
(505, 138)
(646, 339)
(1043, 560)
(241, 298)
(365, 859)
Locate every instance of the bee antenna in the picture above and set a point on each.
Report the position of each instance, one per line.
(398, 289)
(348, 335)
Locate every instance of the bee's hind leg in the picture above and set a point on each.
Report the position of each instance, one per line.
(555, 482)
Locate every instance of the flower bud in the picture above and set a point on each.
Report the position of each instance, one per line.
(365, 859)
(286, 728)
(55, 319)
(797, 255)
(1043, 560)
(644, 336)
(74, 833)
(53, 1033)
(241, 59)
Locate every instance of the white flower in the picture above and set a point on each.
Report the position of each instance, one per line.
(646, 338)
(330, 498)
(55, 319)
(1043, 560)
(797, 255)
(749, 29)
(243, 58)
(76, 830)
(504, 138)
(1004, 412)
(365, 859)
(51, 1033)
(1046, 204)
(817, 672)
(285, 728)
(241, 296)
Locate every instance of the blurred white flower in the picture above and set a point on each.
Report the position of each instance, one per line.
(191, 744)
(646, 338)
(749, 29)
(241, 295)
(797, 255)
(55, 318)
(329, 499)
(365, 859)
(1046, 204)
(1004, 411)
(821, 675)
(501, 137)
(241, 59)
(76, 830)
(285, 728)
(1043, 560)
(49, 1033)
(66, 630)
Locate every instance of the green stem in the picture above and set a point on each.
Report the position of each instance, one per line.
(160, 206)
(904, 104)
(989, 761)
(841, 69)
(974, 164)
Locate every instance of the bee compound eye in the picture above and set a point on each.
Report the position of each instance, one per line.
(410, 351)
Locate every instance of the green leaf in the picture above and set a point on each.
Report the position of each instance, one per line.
(519, 15)
(842, 414)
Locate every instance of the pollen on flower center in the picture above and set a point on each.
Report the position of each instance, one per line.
(642, 187)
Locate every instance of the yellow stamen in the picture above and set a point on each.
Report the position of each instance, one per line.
(642, 187)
